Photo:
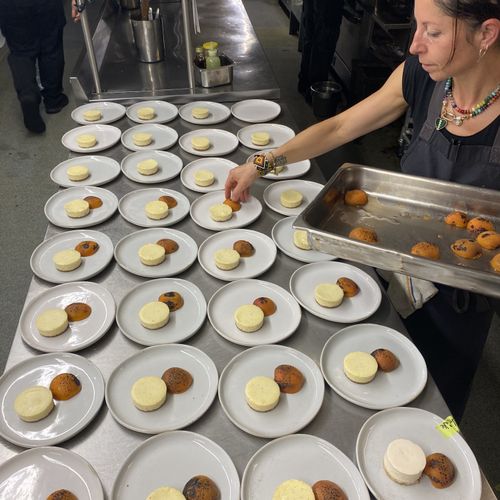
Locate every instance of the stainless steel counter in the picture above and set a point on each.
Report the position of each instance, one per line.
(125, 78)
(106, 444)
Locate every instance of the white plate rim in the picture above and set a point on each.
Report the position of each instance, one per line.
(187, 284)
(408, 344)
(104, 159)
(271, 126)
(427, 414)
(293, 184)
(92, 190)
(100, 237)
(115, 132)
(164, 104)
(187, 136)
(306, 360)
(325, 316)
(163, 129)
(40, 450)
(226, 112)
(155, 223)
(99, 105)
(130, 235)
(239, 282)
(189, 166)
(297, 257)
(208, 226)
(268, 102)
(98, 400)
(92, 340)
(301, 437)
(144, 352)
(233, 479)
(149, 179)
(257, 234)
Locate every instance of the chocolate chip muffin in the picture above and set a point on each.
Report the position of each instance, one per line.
(177, 380)
(356, 198)
(440, 470)
(289, 378)
(426, 250)
(65, 386)
(457, 219)
(467, 249)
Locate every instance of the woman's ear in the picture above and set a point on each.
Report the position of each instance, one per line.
(490, 32)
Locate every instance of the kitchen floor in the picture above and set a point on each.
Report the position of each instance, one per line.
(27, 159)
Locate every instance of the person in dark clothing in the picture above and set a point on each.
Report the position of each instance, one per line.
(34, 34)
(452, 86)
(319, 32)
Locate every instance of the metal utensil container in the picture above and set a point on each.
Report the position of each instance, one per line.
(148, 36)
(214, 77)
(403, 210)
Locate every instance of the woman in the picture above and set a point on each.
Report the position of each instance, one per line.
(452, 86)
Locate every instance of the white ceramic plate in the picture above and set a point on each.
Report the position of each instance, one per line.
(179, 410)
(54, 208)
(293, 412)
(163, 137)
(273, 192)
(386, 390)
(217, 113)
(110, 111)
(278, 135)
(102, 170)
(276, 327)
(219, 166)
(169, 166)
(41, 259)
(165, 112)
(249, 267)
(351, 310)
(418, 426)
(297, 169)
(221, 142)
(68, 417)
(80, 334)
(304, 457)
(37, 473)
(282, 234)
(256, 110)
(182, 324)
(126, 253)
(106, 136)
(131, 207)
(200, 212)
(172, 459)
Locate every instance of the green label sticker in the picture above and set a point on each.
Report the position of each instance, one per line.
(448, 427)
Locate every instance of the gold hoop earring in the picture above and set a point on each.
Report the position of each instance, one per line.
(482, 52)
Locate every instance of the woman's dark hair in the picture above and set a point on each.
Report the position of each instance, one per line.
(473, 12)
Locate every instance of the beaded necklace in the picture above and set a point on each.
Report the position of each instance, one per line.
(458, 119)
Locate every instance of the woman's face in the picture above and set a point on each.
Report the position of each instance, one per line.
(433, 42)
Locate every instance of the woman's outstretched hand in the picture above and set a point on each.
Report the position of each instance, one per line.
(239, 180)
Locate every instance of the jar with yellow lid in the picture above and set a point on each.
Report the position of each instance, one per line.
(210, 46)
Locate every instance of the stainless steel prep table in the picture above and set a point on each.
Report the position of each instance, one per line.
(124, 77)
(105, 443)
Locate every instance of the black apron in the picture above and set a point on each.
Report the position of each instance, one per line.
(451, 329)
(432, 154)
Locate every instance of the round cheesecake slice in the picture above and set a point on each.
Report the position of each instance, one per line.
(404, 461)
(262, 393)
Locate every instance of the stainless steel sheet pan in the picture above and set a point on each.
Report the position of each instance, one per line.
(403, 210)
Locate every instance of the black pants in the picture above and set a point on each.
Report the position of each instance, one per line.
(33, 31)
(319, 32)
(450, 331)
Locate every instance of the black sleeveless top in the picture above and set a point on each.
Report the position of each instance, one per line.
(473, 160)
